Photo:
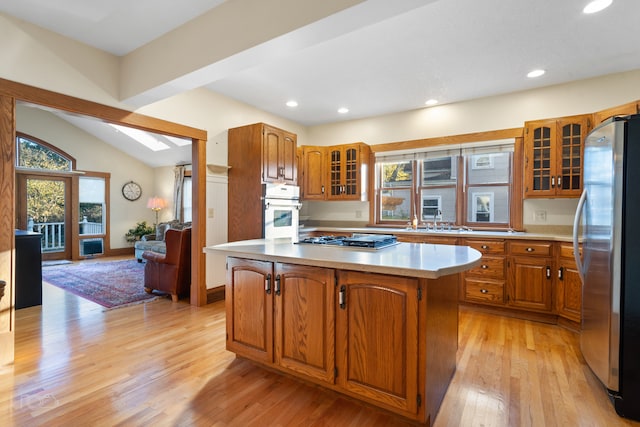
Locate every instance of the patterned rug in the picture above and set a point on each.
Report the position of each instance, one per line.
(108, 283)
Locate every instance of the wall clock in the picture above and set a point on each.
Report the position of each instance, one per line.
(131, 191)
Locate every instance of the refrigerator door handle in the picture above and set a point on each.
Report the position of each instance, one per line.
(576, 227)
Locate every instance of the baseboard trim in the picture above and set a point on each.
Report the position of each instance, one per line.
(119, 252)
(215, 294)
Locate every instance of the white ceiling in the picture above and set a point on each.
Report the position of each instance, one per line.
(451, 50)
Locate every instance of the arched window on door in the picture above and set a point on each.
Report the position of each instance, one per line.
(33, 153)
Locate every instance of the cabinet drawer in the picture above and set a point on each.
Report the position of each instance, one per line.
(485, 291)
(566, 251)
(490, 267)
(530, 248)
(487, 246)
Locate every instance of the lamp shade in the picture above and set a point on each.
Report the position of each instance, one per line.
(156, 203)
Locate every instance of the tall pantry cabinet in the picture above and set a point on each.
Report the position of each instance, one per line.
(257, 154)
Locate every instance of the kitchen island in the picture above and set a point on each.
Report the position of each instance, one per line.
(377, 325)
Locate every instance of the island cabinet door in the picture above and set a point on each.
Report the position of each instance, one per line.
(249, 305)
(377, 339)
(304, 311)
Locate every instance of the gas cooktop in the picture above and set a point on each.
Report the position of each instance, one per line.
(367, 241)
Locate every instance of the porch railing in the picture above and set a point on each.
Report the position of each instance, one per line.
(53, 233)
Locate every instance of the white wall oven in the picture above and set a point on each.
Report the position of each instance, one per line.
(281, 211)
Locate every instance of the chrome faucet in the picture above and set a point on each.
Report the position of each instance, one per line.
(437, 213)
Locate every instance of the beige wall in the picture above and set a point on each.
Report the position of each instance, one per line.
(92, 154)
(491, 113)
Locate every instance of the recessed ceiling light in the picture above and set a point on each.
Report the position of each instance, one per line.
(292, 103)
(431, 102)
(597, 6)
(343, 110)
(535, 73)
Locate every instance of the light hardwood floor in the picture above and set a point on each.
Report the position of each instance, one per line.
(164, 364)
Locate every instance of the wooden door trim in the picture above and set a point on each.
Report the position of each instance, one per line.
(70, 218)
(7, 227)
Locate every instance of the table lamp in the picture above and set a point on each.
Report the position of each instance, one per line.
(156, 204)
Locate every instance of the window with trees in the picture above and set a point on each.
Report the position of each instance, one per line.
(469, 185)
(34, 154)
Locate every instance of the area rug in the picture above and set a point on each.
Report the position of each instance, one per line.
(108, 283)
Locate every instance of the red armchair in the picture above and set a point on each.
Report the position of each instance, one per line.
(170, 272)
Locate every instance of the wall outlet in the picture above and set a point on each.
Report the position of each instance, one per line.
(358, 214)
(540, 216)
(210, 213)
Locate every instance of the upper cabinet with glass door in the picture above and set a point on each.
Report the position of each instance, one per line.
(553, 156)
(348, 171)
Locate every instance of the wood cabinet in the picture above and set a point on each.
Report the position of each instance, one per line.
(249, 307)
(388, 340)
(553, 152)
(257, 153)
(421, 237)
(530, 283)
(569, 288)
(314, 173)
(347, 176)
(620, 110)
(486, 283)
(282, 314)
(337, 172)
(279, 157)
(377, 338)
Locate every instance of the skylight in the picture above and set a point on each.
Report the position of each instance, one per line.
(141, 137)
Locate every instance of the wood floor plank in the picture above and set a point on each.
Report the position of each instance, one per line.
(165, 364)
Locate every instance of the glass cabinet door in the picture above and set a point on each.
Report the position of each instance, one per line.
(542, 156)
(351, 172)
(335, 172)
(571, 146)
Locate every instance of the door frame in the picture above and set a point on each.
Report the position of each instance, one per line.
(70, 217)
(10, 92)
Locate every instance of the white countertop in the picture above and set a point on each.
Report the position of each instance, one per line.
(404, 259)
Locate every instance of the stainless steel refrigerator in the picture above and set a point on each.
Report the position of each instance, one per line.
(608, 219)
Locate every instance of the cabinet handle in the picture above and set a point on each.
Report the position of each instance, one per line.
(548, 272)
(484, 291)
(267, 284)
(553, 181)
(559, 181)
(277, 287)
(281, 170)
(484, 266)
(322, 189)
(484, 247)
(561, 273)
(530, 249)
(342, 297)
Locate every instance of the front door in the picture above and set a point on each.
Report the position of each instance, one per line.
(43, 205)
